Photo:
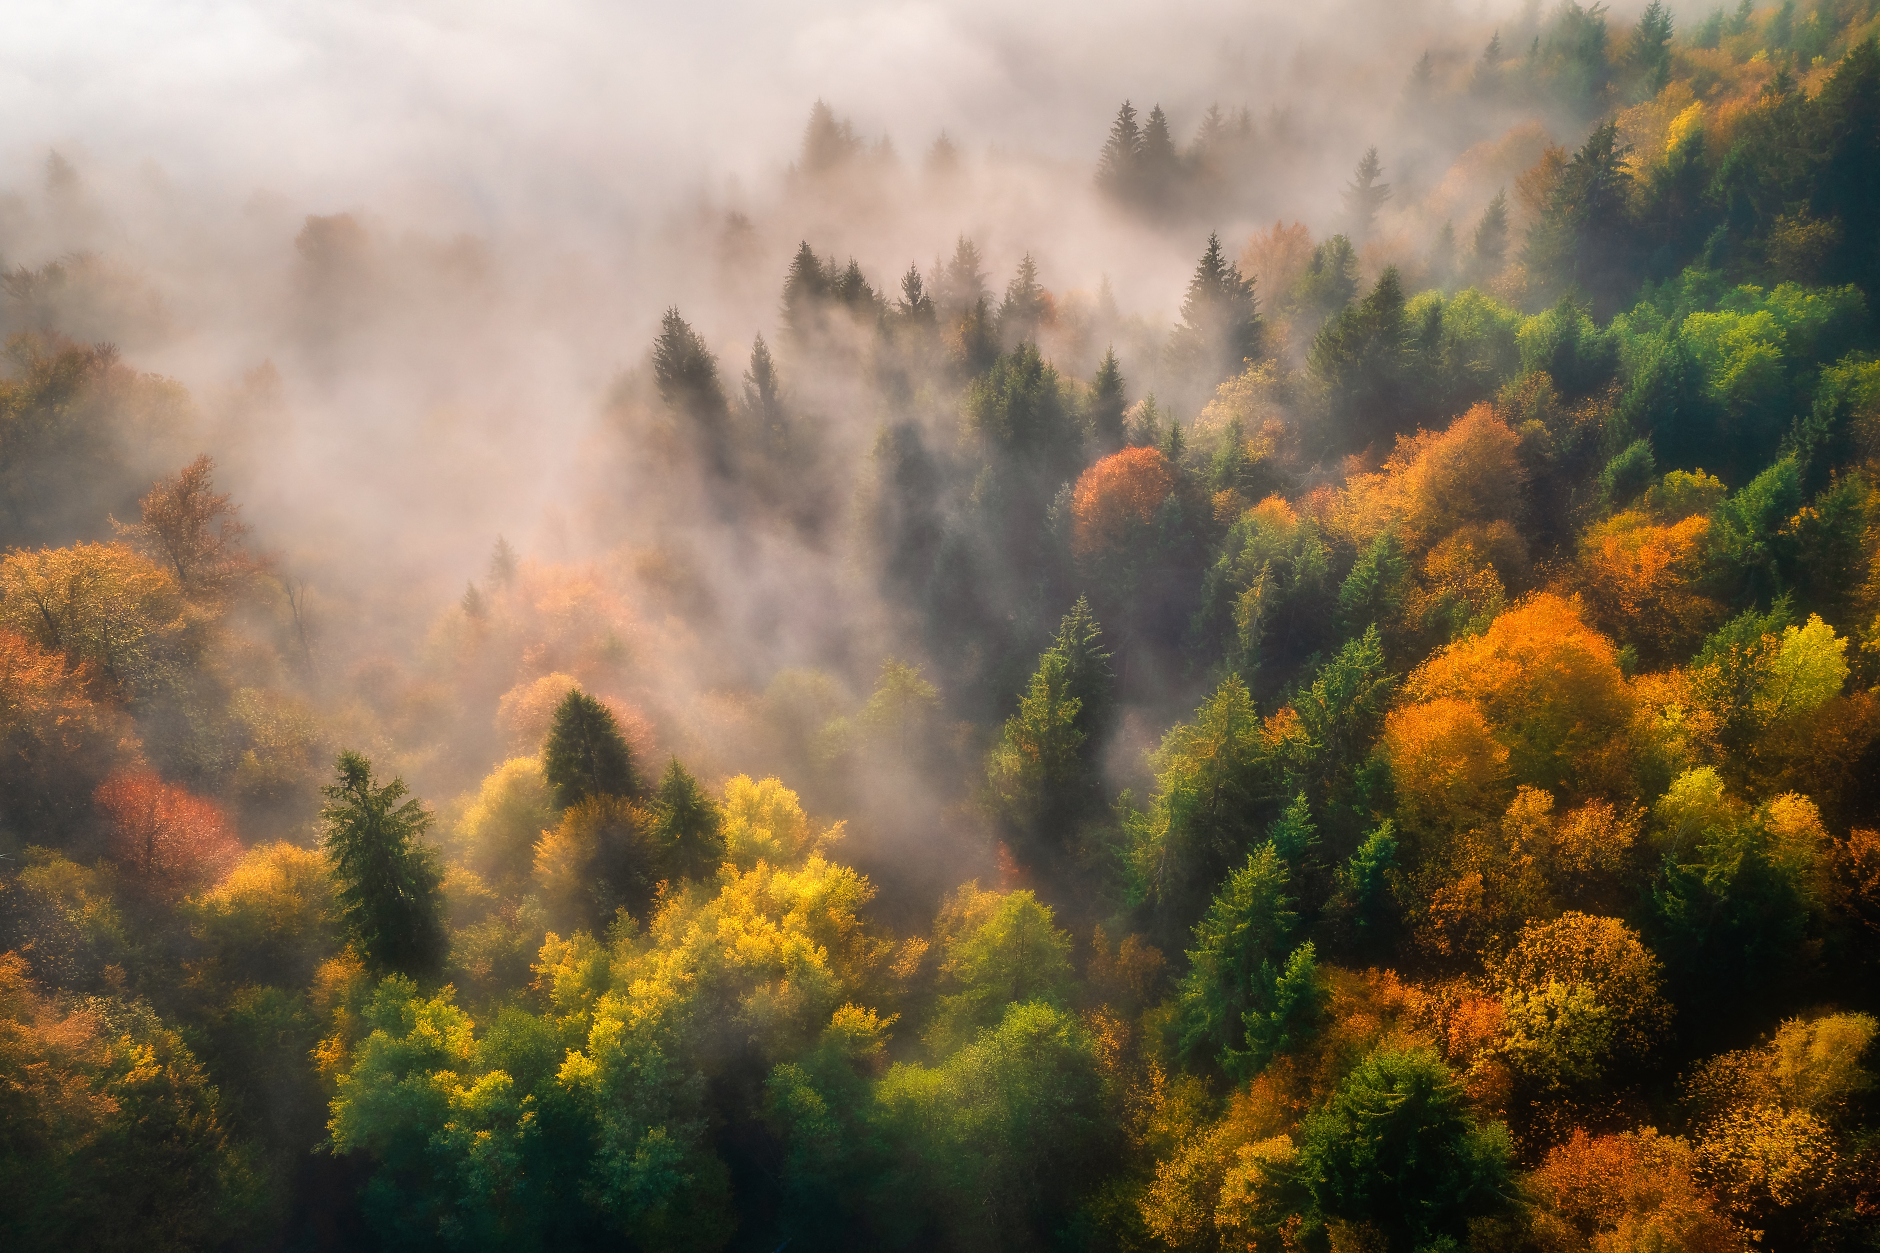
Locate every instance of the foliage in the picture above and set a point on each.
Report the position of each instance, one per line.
(388, 898)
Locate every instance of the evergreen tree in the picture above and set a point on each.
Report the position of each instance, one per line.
(1443, 256)
(1160, 166)
(1220, 327)
(1583, 239)
(763, 396)
(915, 305)
(687, 824)
(1486, 80)
(1119, 168)
(1235, 970)
(963, 281)
(805, 296)
(1024, 307)
(1651, 49)
(1364, 195)
(1107, 404)
(1490, 248)
(585, 753)
(687, 375)
(1330, 280)
(390, 896)
(503, 563)
(828, 142)
(1359, 355)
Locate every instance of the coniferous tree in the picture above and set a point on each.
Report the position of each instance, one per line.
(1443, 256)
(1360, 356)
(763, 396)
(828, 142)
(1490, 247)
(687, 375)
(1024, 307)
(1107, 404)
(915, 305)
(1329, 282)
(585, 753)
(963, 282)
(1583, 239)
(687, 824)
(1364, 195)
(1485, 82)
(503, 563)
(390, 899)
(805, 296)
(1160, 166)
(1119, 168)
(1220, 325)
(1651, 49)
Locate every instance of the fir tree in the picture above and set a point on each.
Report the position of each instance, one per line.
(585, 753)
(763, 395)
(1364, 195)
(963, 282)
(1160, 165)
(1490, 249)
(390, 899)
(805, 296)
(1024, 306)
(1119, 168)
(1651, 49)
(1107, 404)
(687, 824)
(1220, 326)
(687, 375)
(1443, 256)
(503, 563)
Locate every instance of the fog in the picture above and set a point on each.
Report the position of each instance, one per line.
(530, 188)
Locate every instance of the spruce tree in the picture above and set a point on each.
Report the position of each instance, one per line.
(390, 897)
(687, 824)
(1119, 168)
(1491, 239)
(1107, 404)
(1220, 326)
(1364, 195)
(963, 282)
(763, 395)
(1024, 306)
(585, 753)
(805, 296)
(1160, 165)
(687, 375)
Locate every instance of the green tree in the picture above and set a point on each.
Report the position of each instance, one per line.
(1119, 167)
(1023, 310)
(1651, 49)
(1489, 249)
(1220, 327)
(390, 897)
(1107, 404)
(585, 753)
(687, 824)
(1235, 967)
(1583, 238)
(1398, 1147)
(1329, 281)
(1360, 356)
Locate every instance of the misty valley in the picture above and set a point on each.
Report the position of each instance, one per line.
(1298, 672)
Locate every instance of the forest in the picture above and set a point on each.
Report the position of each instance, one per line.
(1385, 759)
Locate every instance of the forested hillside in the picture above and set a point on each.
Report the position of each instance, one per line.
(1384, 758)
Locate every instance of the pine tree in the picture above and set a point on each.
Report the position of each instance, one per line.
(1220, 326)
(1486, 81)
(1364, 195)
(390, 896)
(1107, 404)
(943, 158)
(1360, 356)
(915, 305)
(1330, 279)
(828, 142)
(1119, 168)
(585, 753)
(687, 824)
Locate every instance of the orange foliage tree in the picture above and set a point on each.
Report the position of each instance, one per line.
(1124, 488)
(191, 530)
(173, 841)
(1638, 1190)
(1547, 687)
(1639, 572)
(56, 743)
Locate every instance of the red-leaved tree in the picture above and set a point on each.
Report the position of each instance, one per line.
(170, 840)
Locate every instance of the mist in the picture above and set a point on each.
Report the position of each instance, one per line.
(921, 625)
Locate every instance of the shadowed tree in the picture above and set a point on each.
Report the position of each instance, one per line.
(687, 375)
(1364, 195)
(389, 897)
(1220, 328)
(686, 824)
(585, 754)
